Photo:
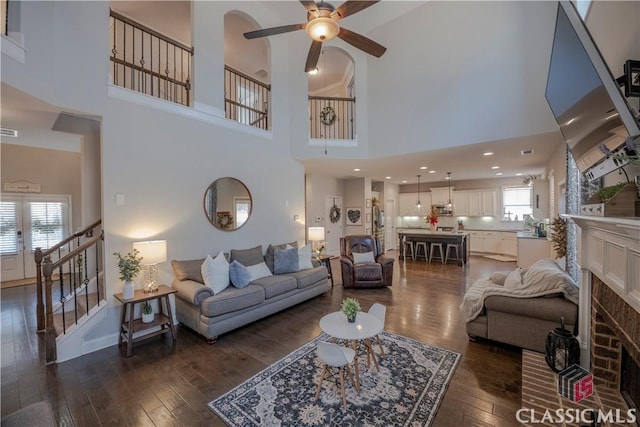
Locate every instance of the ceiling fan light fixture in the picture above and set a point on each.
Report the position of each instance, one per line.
(322, 29)
(313, 71)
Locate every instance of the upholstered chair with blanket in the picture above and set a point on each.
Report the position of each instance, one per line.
(363, 263)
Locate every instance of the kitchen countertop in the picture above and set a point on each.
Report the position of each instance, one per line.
(528, 235)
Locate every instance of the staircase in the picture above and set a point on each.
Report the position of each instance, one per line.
(76, 280)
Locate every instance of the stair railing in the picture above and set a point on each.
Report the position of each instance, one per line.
(76, 270)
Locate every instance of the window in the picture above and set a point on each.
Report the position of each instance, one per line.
(8, 228)
(47, 224)
(242, 208)
(516, 203)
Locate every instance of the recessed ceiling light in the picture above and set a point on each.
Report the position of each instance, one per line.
(356, 170)
(495, 167)
(499, 173)
(423, 167)
(488, 153)
(404, 181)
(518, 174)
(432, 171)
(387, 177)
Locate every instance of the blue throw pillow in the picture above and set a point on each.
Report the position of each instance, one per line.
(239, 275)
(285, 261)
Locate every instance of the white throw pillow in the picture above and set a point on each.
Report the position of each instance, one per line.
(304, 257)
(215, 272)
(362, 257)
(258, 271)
(513, 279)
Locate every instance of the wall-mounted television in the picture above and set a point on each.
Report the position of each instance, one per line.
(585, 97)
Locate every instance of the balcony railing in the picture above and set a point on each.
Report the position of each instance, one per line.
(332, 117)
(4, 15)
(246, 99)
(146, 61)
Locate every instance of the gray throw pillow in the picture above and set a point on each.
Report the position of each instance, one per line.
(285, 261)
(247, 257)
(239, 274)
(269, 255)
(188, 270)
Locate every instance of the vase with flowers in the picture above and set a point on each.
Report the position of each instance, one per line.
(432, 219)
(130, 266)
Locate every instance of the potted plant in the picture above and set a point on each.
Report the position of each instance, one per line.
(350, 307)
(147, 312)
(130, 266)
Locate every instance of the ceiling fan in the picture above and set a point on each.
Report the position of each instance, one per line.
(322, 25)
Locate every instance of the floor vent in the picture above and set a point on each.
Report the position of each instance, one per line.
(8, 132)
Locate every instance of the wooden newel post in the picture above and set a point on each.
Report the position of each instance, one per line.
(50, 333)
(39, 303)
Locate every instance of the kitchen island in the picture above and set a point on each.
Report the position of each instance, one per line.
(459, 238)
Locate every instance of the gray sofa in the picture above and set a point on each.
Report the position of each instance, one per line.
(521, 320)
(212, 315)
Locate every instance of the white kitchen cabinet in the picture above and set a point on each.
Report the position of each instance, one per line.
(475, 241)
(509, 244)
(407, 204)
(440, 196)
(491, 242)
(531, 249)
(475, 203)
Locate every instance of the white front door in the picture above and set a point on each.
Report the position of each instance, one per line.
(29, 222)
(333, 230)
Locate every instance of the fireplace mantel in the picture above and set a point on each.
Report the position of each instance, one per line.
(609, 248)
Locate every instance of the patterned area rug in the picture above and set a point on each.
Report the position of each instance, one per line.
(407, 391)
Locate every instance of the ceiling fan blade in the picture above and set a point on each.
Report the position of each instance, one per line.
(362, 43)
(274, 30)
(313, 56)
(350, 7)
(311, 6)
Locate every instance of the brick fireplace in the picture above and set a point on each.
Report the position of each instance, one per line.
(615, 341)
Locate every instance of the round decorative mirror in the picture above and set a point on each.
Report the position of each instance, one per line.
(227, 204)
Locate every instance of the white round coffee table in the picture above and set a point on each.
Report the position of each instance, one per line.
(365, 327)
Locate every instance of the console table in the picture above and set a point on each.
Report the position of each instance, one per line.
(162, 323)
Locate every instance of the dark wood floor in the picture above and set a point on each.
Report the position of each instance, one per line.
(171, 385)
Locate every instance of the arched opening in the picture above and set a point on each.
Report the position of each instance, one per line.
(247, 73)
(332, 96)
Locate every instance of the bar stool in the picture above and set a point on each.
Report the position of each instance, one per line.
(408, 245)
(432, 251)
(451, 246)
(422, 245)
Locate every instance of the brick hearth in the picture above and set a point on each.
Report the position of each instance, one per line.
(539, 393)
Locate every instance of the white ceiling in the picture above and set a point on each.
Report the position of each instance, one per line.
(173, 18)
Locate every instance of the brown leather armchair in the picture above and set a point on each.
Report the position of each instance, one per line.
(364, 275)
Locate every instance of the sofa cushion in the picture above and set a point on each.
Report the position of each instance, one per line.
(513, 279)
(546, 271)
(232, 299)
(188, 270)
(215, 272)
(304, 257)
(311, 276)
(239, 275)
(499, 277)
(367, 272)
(269, 255)
(362, 257)
(275, 285)
(247, 257)
(285, 261)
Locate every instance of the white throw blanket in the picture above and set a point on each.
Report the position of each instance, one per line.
(542, 278)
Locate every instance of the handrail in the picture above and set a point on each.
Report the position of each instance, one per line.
(150, 30)
(248, 77)
(39, 256)
(246, 98)
(76, 257)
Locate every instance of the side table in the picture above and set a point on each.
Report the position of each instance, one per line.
(326, 261)
(129, 326)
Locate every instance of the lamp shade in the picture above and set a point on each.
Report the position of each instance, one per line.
(316, 233)
(152, 251)
(322, 29)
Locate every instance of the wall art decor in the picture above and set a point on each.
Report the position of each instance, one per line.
(354, 216)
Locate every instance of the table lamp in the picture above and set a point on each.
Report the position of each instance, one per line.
(152, 252)
(316, 234)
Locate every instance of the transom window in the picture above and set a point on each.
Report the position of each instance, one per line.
(516, 203)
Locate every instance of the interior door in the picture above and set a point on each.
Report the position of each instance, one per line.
(11, 239)
(30, 222)
(333, 230)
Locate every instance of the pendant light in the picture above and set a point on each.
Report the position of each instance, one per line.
(418, 206)
(450, 204)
